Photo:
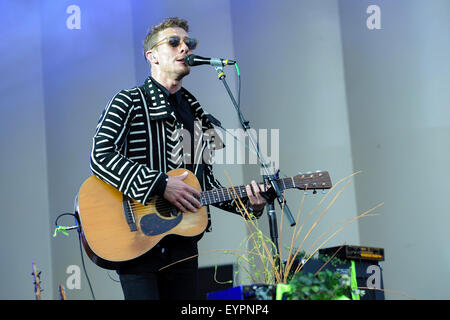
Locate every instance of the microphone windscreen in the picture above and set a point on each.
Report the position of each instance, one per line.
(189, 59)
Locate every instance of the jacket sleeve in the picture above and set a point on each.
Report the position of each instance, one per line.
(107, 160)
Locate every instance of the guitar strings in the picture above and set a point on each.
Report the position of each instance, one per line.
(206, 195)
(140, 208)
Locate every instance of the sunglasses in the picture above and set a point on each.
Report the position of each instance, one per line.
(174, 42)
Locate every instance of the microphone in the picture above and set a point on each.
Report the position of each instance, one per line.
(194, 60)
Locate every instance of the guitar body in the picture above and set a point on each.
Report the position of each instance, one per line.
(116, 229)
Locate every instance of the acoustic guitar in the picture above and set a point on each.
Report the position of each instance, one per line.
(116, 229)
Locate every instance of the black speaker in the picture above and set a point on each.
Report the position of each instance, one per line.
(366, 262)
(369, 275)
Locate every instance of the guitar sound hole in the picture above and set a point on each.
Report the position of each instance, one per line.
(165, 208)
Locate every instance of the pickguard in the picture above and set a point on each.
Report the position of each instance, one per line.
(164, 220)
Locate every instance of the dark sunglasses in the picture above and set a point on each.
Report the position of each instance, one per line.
(174, 42)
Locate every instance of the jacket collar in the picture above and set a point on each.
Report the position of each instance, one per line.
(157, 102)
(160, 108)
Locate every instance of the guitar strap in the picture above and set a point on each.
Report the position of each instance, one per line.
(209, 226)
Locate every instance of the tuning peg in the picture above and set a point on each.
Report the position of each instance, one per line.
(306, 193)
(315, 191)
(324, 191)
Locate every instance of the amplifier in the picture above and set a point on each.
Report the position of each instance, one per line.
(355, 253)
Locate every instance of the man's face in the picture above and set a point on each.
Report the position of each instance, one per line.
(168, 60)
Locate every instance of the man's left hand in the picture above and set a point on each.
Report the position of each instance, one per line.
(257, 201)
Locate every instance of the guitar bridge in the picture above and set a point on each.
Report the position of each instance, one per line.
(129, 215)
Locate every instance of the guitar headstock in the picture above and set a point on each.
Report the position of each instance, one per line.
(62, 292)
(312, 180)
(37, 282)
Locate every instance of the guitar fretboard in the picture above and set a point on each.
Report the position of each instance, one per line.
(226, 194)
(222, 194)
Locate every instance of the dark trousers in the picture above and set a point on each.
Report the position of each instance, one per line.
(145, 280)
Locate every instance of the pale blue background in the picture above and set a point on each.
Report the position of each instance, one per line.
(345, 98)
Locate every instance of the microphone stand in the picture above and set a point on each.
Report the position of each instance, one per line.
(276, 194)
(273, 226)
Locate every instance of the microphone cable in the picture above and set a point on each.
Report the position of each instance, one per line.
(239, 85)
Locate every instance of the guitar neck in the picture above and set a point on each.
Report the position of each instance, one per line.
(225, 194)
(302, 181)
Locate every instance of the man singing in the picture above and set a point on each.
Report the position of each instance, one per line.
(133, 149)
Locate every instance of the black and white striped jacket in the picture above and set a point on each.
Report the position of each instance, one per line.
(137, 141)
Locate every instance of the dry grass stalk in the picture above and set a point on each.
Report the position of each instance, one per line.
(296, 233)
(207, 252)
(328, 261)
(337, 231)
(251, 223)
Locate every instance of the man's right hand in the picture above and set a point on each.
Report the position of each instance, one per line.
(182, 195)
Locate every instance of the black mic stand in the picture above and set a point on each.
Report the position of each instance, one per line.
(273, 223)
(276, 193)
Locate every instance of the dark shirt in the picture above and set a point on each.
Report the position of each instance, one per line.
(183, 113)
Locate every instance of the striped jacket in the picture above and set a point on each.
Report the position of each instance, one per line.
(137, 140)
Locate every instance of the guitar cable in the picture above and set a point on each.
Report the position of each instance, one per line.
(63, 229)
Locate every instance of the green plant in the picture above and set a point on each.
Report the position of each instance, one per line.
(324, 285)
(333, 261)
